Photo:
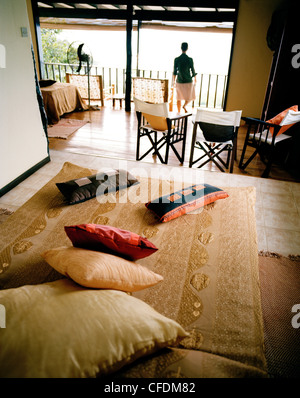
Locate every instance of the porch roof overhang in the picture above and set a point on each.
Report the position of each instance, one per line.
(213, 11)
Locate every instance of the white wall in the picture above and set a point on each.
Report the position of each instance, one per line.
(22, 140)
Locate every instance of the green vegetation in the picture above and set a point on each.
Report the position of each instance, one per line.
(54, 49)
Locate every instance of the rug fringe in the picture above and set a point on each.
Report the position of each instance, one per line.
(5, 212)
(294, 258)
(264, 253)
(291, 257)
(210, 206)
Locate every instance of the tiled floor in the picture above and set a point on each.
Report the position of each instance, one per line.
(277, 204)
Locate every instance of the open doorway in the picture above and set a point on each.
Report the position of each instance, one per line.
(135, 19)
(209, 46)
(154, 47)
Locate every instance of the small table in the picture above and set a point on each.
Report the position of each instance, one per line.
(117, 97)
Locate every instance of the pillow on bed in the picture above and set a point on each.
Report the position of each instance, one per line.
(82, 189)
(71, 332)
(109, 239)
(46, 83)
(171, 206)
(99, 270)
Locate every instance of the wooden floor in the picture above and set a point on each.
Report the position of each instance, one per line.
(111, 132)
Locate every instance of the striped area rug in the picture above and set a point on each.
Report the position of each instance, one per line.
(65, 127)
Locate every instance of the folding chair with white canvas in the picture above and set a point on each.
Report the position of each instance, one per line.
(264, 136)
(215, 132)
(163, 129)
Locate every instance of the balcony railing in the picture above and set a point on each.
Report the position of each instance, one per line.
(210, 88)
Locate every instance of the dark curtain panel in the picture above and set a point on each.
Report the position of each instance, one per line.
(40, 97)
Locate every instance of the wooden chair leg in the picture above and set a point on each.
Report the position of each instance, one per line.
(193, 145)
(167, 148)
(233, 152)
(232, 159)
(139, 118)
(184, 141)
(241, 166)
(267, 170)
(138, 146)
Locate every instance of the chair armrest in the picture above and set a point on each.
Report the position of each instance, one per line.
(252, 120)
(177, 116)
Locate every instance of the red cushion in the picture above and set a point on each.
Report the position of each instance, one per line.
(109, 239)
(279, 118)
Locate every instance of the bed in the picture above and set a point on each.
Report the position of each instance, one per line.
(60, 98)
(200, 318)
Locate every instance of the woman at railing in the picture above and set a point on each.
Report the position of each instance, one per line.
(184, 77)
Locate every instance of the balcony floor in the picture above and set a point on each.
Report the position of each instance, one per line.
(111, 132)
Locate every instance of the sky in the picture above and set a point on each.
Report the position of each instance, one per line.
(158, 48)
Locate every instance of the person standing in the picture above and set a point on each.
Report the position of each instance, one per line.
(184, 78)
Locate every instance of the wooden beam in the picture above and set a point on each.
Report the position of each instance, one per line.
(230, 60)
(189, 3)
(144, 15)
(37, 28)
(185, 16)
(167, 3)
(82, 13)
(138, 47)
(129, 59)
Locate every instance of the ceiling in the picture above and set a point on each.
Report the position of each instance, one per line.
(201, 13)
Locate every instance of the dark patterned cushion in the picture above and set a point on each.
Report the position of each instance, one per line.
(171, 206)
(82, 189)
(46, 83)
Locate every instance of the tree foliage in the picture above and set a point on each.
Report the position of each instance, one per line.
(54, 49)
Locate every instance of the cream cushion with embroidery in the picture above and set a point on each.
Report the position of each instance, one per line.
(60, 329)
(100, 270)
